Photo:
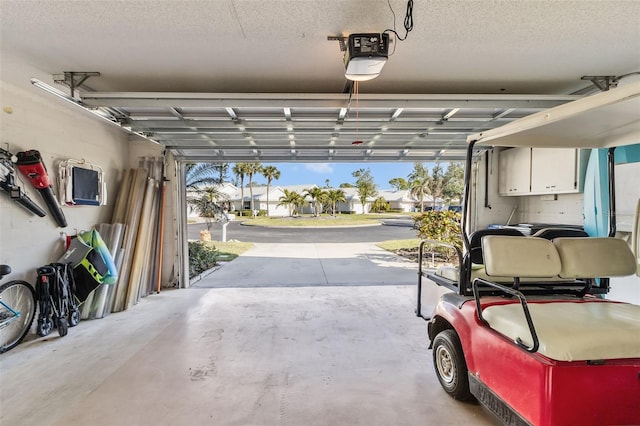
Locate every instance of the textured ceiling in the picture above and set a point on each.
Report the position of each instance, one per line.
(228, 49)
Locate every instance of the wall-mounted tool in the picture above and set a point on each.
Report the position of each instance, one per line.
(31, 166)
(8, 184)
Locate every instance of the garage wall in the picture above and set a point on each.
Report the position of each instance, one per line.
(30, 121)
(500, 208)
(33, 119)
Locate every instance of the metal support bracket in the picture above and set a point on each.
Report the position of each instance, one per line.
(341, 40)
(73, 79)
(602, 82)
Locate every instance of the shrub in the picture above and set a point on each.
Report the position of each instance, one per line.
(202, 257)
(443, 226)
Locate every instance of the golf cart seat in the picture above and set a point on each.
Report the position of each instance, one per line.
(565, 330)
(551, 233)
(474, 263)
(474, 260)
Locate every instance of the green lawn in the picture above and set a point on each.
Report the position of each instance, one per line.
(322, 220)
(395, 245)
(229, 250)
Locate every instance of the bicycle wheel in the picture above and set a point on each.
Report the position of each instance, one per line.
(19, 297)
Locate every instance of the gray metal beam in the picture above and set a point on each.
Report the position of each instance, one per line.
(311, 100)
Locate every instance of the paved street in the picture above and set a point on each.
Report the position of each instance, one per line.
(393, 230)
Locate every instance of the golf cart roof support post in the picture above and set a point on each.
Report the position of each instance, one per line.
(611, 166)
(467, 187)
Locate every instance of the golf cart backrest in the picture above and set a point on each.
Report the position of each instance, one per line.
(594, 257)
(567, 258)
(475, 241)
(551, 233)
(522, 257)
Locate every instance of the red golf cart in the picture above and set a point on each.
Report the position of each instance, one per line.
(522, 324)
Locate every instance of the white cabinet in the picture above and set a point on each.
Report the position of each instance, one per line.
(554, 171)
(514, 176)
(539, 171)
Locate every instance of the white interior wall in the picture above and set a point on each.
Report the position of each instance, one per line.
(567, 209)
(59, 132)
(33, 119)
(499, 208)
(627, 198)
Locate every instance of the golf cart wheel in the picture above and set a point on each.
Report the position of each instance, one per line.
(45, 326)
(450, 365)
(74, 317)
(63, 326)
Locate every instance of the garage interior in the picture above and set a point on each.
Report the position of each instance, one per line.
(231, 81)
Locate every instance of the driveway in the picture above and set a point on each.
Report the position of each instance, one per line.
(313, 265)
(395, 230)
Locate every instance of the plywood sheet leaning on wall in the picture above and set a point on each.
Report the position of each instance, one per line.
(115, 247)
(132, 221)
(120, 209)
(156, 167)
(142, 244)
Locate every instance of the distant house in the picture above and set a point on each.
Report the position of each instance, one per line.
(260, 199)
(227, 190)
(399, 200)
(352, 203)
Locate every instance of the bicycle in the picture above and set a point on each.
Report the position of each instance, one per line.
(17, 310)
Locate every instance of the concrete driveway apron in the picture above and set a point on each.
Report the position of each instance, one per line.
(308, 265)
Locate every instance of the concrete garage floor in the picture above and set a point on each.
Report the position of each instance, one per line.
(276, 337)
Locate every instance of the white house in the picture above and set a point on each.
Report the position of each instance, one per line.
(243, 201)
(352, 203)
(227, 190)
(401, 200)
(398, 199)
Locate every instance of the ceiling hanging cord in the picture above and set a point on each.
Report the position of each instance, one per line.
(355, 91)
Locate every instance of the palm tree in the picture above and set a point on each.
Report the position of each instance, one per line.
(205, 203)
(199, 174)
(380, 204)
(299, 202)
(334, 196)
(419, 188)
(251, 169)
(318, 196)
(419, 183)
(270, 173)
(222, 169)
(292, 200)
(240, 171)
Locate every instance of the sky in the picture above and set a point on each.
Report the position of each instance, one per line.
(337, 173)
